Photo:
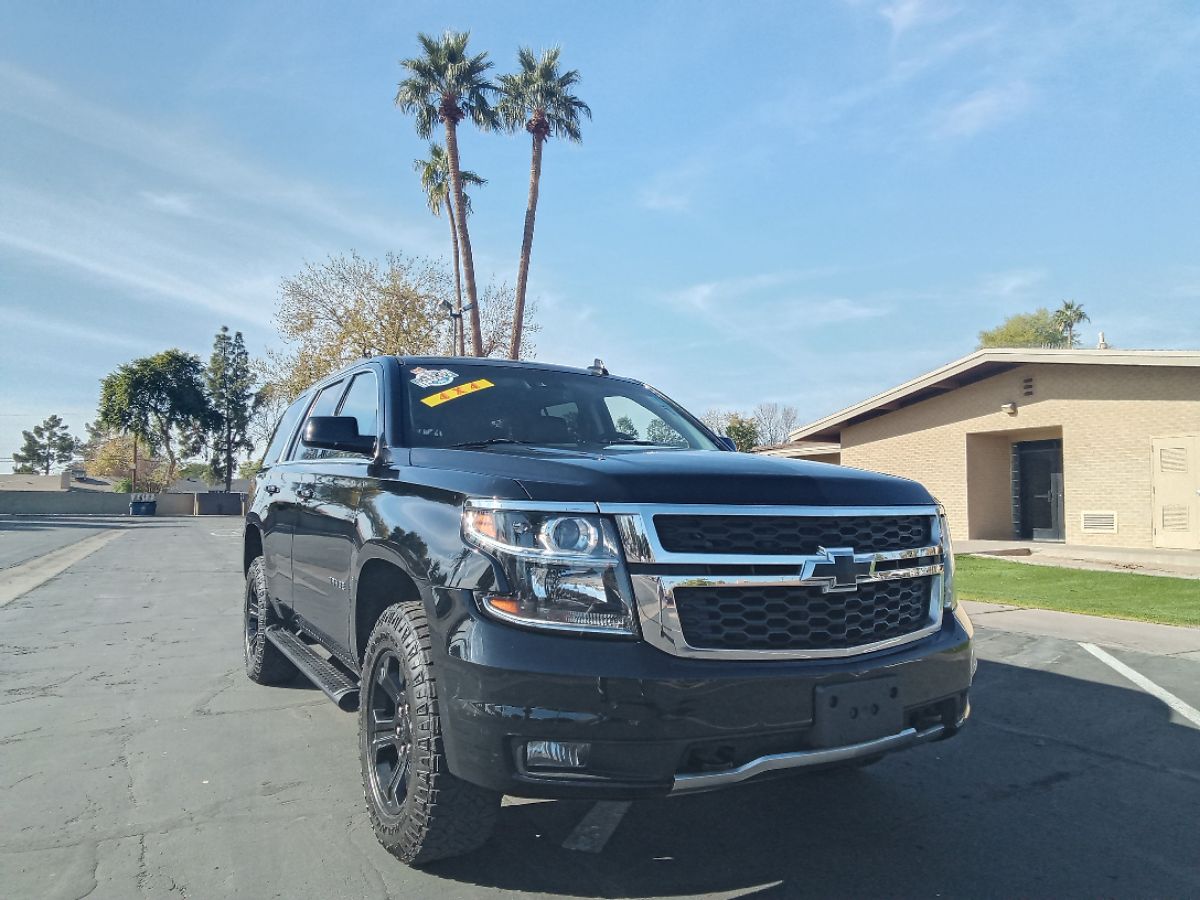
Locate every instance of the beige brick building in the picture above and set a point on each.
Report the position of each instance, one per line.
(1096, 447)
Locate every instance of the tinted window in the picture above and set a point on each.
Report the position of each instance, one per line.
(324, 405)
(362, 402)
(471, 403)
(283, 431)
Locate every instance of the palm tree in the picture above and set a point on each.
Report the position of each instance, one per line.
(539, 99)
(447, 85)
(1067, 318)
(435, 179)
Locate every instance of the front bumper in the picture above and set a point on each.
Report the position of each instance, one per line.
(659, 724)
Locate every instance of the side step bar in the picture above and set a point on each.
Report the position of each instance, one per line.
(336, 684)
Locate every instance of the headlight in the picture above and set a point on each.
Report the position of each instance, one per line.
(562, 571)
(949, 597)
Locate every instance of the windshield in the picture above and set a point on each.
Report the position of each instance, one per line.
(469, 405)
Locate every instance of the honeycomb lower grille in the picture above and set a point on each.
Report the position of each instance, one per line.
(801, 617)
(790, 535)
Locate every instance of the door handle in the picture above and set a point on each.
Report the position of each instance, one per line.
(272, 489)
(304, 493)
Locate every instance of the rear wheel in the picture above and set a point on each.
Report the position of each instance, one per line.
(264, 661)
(420, 812)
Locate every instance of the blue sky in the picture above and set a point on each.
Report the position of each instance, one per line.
(796, 202)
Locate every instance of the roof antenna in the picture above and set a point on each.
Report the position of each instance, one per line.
(597, 368)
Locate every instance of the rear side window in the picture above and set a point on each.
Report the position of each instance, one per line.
(324, 405)
(283, 431)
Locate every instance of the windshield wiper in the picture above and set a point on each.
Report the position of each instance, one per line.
(487, 442)
(638, 443)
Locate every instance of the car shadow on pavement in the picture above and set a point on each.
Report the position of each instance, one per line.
(1058, 786)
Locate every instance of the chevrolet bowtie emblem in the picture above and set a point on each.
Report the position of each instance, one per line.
(840, 569)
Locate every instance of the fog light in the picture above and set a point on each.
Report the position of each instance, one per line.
(556, 755)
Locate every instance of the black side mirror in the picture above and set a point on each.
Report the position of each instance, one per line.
(337, 433)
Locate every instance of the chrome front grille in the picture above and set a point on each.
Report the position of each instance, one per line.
(730, 582)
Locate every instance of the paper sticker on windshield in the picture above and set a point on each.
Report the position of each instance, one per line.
(455, 392)
(427, 378)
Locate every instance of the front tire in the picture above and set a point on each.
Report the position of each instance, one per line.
(419, 811)
(265, 664)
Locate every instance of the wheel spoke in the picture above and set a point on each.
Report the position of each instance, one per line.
(397, 775)
(391, 686)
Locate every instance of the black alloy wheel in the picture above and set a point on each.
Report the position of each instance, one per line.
(389, 732)
(265, 663)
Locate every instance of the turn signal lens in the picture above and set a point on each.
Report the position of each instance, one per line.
(949, 596)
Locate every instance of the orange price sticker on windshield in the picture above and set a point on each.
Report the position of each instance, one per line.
(454, 393)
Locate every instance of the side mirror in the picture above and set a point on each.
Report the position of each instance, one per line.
(337, 433)
(726, 442)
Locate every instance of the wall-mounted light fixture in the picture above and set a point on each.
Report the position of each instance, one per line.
(1010, 408)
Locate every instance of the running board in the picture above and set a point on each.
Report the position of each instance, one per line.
(336, 684)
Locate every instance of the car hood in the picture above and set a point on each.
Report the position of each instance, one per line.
(676, 476)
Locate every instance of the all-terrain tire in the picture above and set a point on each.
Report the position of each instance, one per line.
(428, 814)
(265, 663)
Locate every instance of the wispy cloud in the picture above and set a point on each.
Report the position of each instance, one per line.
(981, 110)
(205, 227)
(759, 309)
(94, 241)
(903, 15)
(75, 330)
(1013, 283)
(175, 204)
(673, 189)
(197, 159)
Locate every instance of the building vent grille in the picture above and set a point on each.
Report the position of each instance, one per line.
(1176, 518)
(1173, 459)
(1098, 522)
(1027, 386)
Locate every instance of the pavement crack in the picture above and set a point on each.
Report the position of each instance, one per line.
(1091, 750)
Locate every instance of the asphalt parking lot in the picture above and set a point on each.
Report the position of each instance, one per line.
(137, 760)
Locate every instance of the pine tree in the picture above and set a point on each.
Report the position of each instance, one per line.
(48, 445)
(231, 392)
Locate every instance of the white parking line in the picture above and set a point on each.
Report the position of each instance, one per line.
(22, 579)
(594, 829)
(1188, 712)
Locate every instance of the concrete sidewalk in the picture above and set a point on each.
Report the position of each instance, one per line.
(1143, 637)
(1172, 563)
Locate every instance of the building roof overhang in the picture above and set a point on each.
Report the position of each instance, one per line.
(975, 367)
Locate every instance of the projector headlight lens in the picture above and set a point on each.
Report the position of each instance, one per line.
(559, 571)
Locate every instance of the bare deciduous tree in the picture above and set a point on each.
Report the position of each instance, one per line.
(775, 422)
(348, 307)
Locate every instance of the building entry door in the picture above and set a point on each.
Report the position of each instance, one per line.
(1176, 486)
(1039, 490)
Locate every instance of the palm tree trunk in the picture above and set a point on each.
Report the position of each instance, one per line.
(535, 177)
(460, 213)
(460, 334)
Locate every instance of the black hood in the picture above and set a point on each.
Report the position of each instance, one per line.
(677, 476)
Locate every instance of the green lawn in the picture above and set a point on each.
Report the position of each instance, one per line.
(1119, 595)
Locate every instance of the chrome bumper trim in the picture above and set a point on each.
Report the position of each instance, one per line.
(707, 781)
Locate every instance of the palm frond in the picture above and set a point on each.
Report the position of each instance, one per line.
(444, 77)
(540, 92)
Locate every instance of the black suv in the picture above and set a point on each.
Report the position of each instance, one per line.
(553, 582)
